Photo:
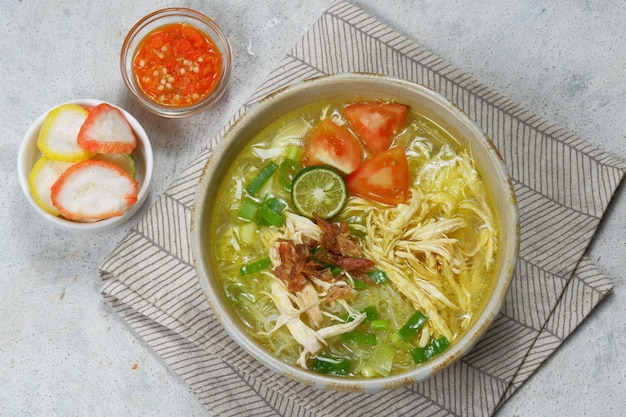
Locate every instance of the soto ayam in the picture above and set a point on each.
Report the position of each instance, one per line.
(356, 239)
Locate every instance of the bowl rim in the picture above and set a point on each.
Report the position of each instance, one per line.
(151, 22)
(29, 142)
(231, 323)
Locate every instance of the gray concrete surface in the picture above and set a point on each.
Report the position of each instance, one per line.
(64, 352)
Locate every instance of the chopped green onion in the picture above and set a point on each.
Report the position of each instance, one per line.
(421, 355)
(247, 233)
(359, 285)
(360, 338)
(261, 178)
(268, 217)
(412, 325)
(294, 153)
(400, 344)
(331, 365)
(249, 208)
(441, 343)
(254, 267)
(370, 313)
(354, 220)
(382, 359)
(335, 270)
(379, 325)
(275, 204)
(288, 171)
(270, 213)
(356, 225)
(432, 349)
(378, 276)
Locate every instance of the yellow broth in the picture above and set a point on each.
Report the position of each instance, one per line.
(432, 154)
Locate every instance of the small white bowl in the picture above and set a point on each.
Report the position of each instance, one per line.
(29, 154)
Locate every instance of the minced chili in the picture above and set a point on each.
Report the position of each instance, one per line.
(177, 65)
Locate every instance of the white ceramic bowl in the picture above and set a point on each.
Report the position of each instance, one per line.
(29, 154)
(352, 86)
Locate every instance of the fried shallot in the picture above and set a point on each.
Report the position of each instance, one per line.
(337, 239)
(300, 262)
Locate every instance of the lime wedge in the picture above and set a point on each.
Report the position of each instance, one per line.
(319, 190)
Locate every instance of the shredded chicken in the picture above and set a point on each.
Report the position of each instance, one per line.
(340, 292)
(417, 244)
(311, 341)
(304, 281)
(307, 297)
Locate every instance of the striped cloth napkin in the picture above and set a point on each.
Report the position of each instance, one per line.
(563, 185)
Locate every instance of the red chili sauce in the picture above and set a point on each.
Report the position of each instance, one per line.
(177, 65)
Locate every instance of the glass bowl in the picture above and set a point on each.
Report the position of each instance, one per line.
(159, 19)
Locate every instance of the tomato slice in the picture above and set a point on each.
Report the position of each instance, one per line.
(376, 123)
(333, 145)
(383, 178)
